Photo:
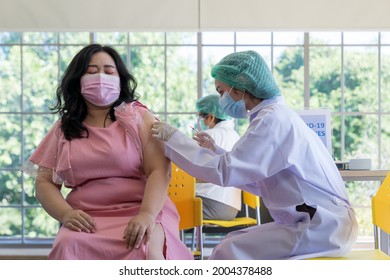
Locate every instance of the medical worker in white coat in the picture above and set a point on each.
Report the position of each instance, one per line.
(278, 158)
(219, 203)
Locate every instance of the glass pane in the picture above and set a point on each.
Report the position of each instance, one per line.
(40, 38)
(123, 51)
(66, 55)
(11, 223)
(148, 67)
(360, 37)
(325, 73)
(336, 137)
(211, 56)
(253, 38)
(184, 38)
(361, 138)
(40, 70)
(218, 38)
(360, 194)
(39, 224)
(361, 79)
(288, 38)
(147, 38)
(29, 191)
(385, 140)
(10, 37)
(385, 79)
(10, 79)
(183, 122)
(75, 38)
(385, 38)
(289, 74)
(111, 38)
(11, 190)
(10, 142)
(35, 128)
(181, 79)
(327, 38)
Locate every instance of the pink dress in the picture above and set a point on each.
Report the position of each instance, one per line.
(107, 181)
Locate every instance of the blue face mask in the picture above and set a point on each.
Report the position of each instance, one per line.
(203, 126)
(235, 109)
(201, 123)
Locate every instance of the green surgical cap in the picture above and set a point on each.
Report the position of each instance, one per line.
(210, 104)
(248, 71)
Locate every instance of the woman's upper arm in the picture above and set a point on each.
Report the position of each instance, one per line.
(45, 177)
(153, 150)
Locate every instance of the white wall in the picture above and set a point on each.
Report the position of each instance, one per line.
(193, 15)
(303, 15)
(98, 15)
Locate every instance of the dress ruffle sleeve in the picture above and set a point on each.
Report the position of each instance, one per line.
(52, 153)
(130, 117)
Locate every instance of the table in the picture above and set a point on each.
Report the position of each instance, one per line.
(364, 175)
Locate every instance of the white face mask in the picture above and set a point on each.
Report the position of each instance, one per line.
(100, 89)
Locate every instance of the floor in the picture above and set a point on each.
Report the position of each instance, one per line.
(363, 243)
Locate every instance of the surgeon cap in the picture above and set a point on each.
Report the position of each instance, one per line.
(247, 71)
(210, 104)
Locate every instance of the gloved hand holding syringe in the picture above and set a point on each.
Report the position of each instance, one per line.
(163, 131)
(204, 139)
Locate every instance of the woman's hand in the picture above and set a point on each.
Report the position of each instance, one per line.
(78, 220)
(139, 226)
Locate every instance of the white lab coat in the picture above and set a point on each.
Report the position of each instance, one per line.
(225, 137)
(280, 159)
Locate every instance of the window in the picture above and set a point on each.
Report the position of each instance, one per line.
(348, 72)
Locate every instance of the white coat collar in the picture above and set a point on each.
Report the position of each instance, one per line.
(225, 124)
(265, 103)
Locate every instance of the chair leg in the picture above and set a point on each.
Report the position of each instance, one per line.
(194, 232)
(199, 236)
(376, 237)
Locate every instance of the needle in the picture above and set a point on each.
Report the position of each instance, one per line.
(193, 128)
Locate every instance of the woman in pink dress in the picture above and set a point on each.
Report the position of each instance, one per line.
(102, 149)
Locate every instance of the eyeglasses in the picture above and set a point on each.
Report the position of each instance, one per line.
(202, 116)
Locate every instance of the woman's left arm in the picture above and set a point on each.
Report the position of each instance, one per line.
(157, 170)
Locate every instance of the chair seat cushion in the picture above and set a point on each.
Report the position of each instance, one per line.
(240, 221)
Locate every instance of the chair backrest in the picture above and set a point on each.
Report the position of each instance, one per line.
(182, 192)
(250, 199)
(381, 206)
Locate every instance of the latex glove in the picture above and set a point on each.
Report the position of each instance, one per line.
(162, 130)
(205, 140)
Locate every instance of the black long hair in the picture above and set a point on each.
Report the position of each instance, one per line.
(70, 103)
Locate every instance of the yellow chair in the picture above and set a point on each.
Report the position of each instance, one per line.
(380, 205)
(249, 200)
(182, 192)
(223, 227)
(381, 214)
